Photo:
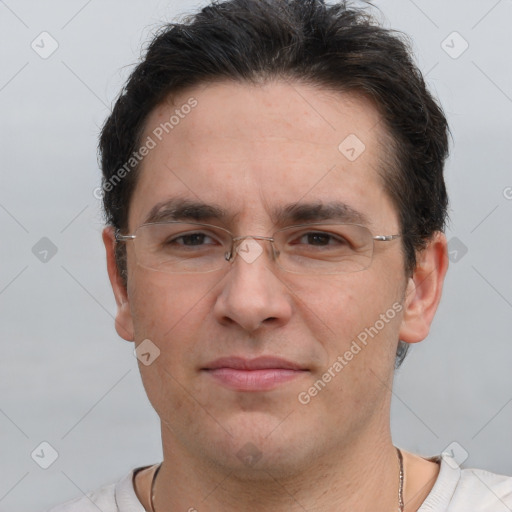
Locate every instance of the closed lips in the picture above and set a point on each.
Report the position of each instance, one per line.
(260, 363)
(260, 374)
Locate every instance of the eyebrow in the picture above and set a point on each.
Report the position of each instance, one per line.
(179, 209)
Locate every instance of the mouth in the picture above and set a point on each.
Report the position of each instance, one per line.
(259, 374)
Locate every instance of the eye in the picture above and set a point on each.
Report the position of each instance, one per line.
(321, 239)
(191, 239)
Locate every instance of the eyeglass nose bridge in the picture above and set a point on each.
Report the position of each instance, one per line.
(236, 241)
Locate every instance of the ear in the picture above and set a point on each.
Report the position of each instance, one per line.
(424, 290)
(124, 323)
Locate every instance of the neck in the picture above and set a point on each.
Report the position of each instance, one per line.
(361, 476)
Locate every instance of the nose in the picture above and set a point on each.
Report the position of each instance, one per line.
(252, 293)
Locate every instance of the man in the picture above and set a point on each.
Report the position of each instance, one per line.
(275, 205)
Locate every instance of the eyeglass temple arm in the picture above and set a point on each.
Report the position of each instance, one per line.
(386, 238)
(122, 238)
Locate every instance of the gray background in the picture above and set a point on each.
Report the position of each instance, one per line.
(66, 377)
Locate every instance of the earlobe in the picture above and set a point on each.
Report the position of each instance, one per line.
(424, 290)
(123, 321)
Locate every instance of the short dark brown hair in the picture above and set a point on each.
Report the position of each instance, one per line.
(335, 46)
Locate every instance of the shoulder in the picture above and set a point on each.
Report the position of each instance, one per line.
(102, 499)
(112, 497)
(484, 491)
(460, 490)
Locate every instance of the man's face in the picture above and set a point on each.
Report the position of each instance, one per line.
(253, 150)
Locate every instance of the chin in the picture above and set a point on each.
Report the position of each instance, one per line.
(260, 447)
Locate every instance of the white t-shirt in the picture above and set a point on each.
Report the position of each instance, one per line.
(455, 490)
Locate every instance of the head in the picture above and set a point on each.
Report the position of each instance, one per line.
(247, 106)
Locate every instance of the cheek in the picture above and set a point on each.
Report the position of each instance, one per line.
(173, 312)
(355, 317)
(342, 306)
(168, 313)
(163, 305)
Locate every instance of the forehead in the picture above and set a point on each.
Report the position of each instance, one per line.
(253, 147)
